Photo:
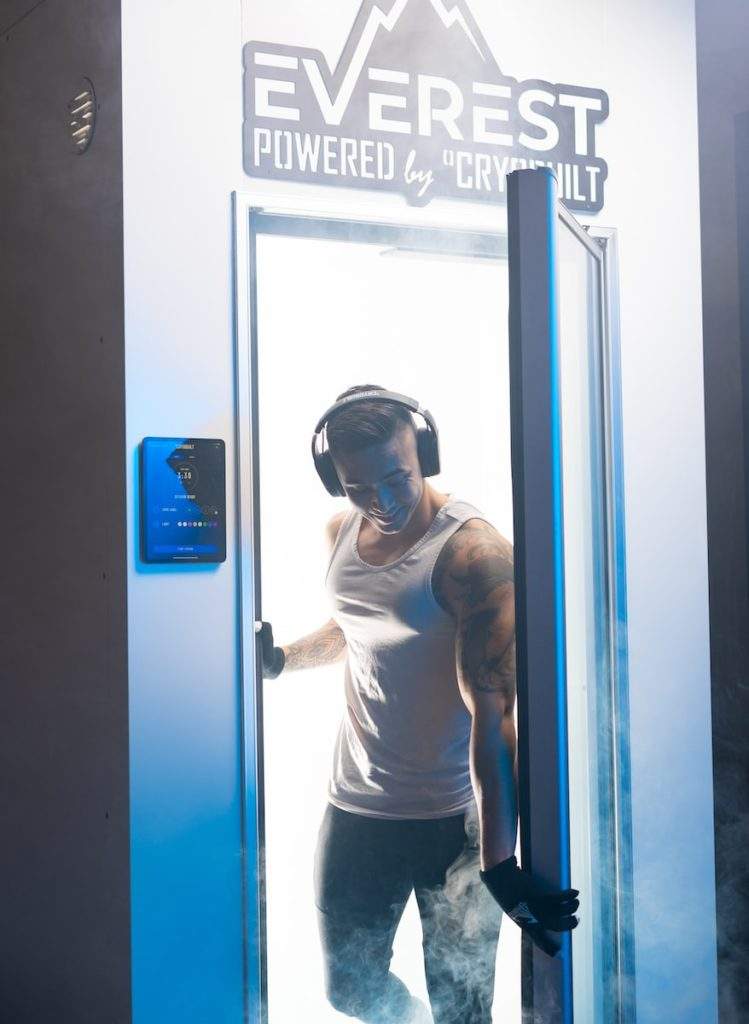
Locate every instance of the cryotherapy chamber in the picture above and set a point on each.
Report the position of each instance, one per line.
(508, 335)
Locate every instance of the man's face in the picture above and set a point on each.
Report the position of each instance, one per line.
(384, 481)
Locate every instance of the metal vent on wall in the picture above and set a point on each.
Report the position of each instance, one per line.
(82, 116)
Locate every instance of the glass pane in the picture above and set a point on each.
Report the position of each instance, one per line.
(587, 620)
(330, 314)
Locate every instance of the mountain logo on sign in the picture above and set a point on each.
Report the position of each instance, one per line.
(417, 104)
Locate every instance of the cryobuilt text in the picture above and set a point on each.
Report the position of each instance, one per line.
(418, 105)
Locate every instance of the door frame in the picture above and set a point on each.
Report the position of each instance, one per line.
(414, 225)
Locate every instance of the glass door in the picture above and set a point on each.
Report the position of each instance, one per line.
(570, 597)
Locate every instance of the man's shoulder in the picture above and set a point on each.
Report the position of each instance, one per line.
(474, 550)
(333, 526)
(471, 539)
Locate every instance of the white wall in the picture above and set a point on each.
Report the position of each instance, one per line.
(181, 155)
(182, 158)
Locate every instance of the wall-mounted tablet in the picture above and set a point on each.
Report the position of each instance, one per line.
(183, 499)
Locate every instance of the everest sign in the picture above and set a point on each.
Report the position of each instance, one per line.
(418, 105)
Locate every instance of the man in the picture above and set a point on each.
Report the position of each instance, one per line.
(422, 590)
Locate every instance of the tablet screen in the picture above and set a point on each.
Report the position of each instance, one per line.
(183, 499)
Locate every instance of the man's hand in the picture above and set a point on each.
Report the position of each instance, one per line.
(532, 906)
(273, 657)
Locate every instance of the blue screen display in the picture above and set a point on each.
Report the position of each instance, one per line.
(183, 499)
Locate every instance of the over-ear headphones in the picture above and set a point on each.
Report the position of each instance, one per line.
(427, 438)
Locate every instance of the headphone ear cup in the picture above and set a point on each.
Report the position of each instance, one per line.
(427, 447)
(327, 472)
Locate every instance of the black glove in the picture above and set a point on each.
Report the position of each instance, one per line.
(273, 657)
(531, 905)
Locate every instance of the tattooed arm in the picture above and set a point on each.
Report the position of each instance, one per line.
(473, 581)
(327, 644)
(322, 647)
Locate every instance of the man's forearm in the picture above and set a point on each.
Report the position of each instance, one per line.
(323, 647)
(492, 756)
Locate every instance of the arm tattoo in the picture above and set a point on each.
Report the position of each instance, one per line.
(473, 581)
(484, 558)
(486, 655)
(322, 647)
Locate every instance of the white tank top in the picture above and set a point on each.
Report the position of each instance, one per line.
(402, 747)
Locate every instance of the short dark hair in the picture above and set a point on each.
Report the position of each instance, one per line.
(365, 423)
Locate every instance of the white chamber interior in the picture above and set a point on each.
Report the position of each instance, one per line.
(331, 314)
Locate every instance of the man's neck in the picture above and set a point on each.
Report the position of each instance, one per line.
(429, 504)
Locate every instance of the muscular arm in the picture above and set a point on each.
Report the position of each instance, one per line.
(327, 644)
(473, 580)
(323, 647)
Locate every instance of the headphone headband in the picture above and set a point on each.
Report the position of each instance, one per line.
(377, 395)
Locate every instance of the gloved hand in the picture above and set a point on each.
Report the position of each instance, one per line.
(531, 905)
(273, 657)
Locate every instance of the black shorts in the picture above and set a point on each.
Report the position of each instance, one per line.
(365, 870)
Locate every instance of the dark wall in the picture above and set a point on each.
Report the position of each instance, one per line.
(64, 846)
(723, 92)
(742, 222)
